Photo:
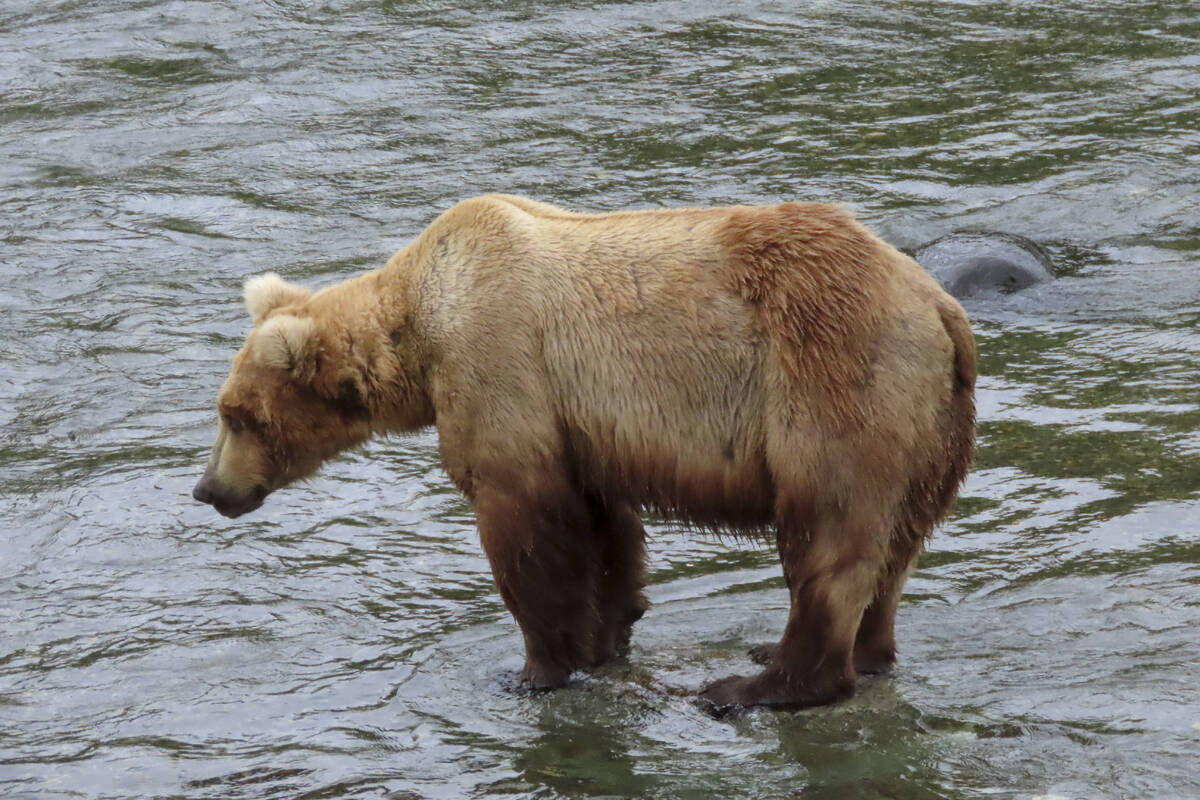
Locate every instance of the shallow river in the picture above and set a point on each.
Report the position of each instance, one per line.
(346, 640)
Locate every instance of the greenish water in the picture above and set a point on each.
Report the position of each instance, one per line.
(346, 640)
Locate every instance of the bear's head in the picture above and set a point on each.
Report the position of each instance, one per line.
(293, 399)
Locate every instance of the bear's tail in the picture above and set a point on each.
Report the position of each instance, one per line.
(960, 435)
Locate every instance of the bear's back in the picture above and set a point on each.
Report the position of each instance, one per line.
(666, 343)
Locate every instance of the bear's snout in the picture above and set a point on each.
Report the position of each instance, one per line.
(226, 503)
(203, 491)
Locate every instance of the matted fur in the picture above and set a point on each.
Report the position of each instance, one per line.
(739, 369)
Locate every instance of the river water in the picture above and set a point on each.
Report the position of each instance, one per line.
(346, 640)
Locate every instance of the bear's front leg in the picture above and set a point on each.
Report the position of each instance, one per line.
(536, 531)
(621, 601)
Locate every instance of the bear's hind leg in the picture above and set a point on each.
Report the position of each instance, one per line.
(621, 543)
(832, 564)
(536, 534)
(875, 643)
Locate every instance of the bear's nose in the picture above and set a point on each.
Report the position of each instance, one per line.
(203, 491)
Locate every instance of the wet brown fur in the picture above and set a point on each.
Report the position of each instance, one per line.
(740, 369)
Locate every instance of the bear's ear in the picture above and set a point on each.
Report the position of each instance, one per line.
(268, 292)
(286, 342)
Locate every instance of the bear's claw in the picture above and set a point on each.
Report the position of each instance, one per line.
(762, 654)
(539, 677)
(772, 688)
(878, 665)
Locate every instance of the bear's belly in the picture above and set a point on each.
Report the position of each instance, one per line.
(670, 422)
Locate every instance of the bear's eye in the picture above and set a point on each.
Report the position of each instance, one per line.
(234, 424)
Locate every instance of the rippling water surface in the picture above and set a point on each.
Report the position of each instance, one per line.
(346, 640)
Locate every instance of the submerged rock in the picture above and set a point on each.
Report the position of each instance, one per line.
(972, 263)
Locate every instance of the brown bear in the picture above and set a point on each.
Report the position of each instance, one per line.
(741, 369)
